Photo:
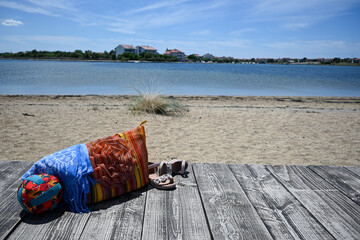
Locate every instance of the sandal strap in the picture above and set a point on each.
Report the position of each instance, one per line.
(183, 165)
(154, 165)
(163, 178)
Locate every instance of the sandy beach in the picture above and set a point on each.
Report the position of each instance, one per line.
(236, 130)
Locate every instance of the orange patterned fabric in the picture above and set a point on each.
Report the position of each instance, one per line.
(112, 159)
(120, 164)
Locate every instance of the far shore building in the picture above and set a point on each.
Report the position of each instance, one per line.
(126, 48)
(177, 53)
(123, 48)
(149, 49)
(208, 56)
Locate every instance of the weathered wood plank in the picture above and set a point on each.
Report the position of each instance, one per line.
(11, 172)
(58, 224)
(354, 169)
(283, 215)
(10, 210)
(119, 218)
(176, 214)
(343, 179)
(335, 211)
(229, 212)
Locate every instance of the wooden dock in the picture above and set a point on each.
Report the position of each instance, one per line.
(214, 201)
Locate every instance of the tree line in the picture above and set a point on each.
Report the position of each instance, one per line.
(90, 55)
(145, 56)
(79, 54)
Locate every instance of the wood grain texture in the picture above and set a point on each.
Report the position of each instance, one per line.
(11, 172)
(46, 226)
(335, 211)
(341, 178)
(118, 218)
(215, 201)
(175, 214)
(354, 169)
(10, 210)
(229, 212)
(283, 215)
(58, 224)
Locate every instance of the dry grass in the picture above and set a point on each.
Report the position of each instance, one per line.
(157, 104)
(152, 101)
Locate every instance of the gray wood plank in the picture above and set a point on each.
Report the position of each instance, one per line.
(175, 214)
(58, 224)
(343, 179)
(118, 218)
(12, 171)
(354, 169)
(335, 211)
(10, 210)
(282, 213)
(229, 212)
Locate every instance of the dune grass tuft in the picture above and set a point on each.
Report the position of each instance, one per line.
(157, 104)
(152, 101)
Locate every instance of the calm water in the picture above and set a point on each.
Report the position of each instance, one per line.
(53, 77)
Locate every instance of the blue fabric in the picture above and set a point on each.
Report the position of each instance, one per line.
(73, 168)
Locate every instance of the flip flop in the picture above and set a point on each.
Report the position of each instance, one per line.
(175, 166)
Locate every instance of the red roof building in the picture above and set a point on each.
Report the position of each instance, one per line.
(143, 48)
(177, 53)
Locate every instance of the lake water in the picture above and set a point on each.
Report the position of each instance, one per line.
(57, 77)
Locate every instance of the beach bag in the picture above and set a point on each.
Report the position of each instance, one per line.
(120, 164)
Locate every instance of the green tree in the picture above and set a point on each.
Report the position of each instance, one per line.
(87, 54)
(193, 58)
(78, 54)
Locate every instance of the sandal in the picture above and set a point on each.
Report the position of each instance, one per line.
(158, 167)
(163, 182)
(175, 166)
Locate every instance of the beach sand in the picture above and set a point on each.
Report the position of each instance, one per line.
(235, 130)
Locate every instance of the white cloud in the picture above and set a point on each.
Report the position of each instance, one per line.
(54, 4)
(316, 44)
(299, 14)
(11, 23)
(46, 40)
(157, 5)
(295, 26)
(174, 13)
(26, 8)
(314, 48)
(291, 7)
(240, 32)
(203, 32)
(237, 43)
(121, 30)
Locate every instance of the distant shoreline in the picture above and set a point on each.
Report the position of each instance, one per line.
(136, 61)
(294, 99)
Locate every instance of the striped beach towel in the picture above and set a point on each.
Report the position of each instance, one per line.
(120, 164)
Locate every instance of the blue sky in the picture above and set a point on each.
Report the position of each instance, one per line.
(241, 29)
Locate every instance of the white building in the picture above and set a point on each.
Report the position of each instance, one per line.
(122, 48)
(149, 49)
